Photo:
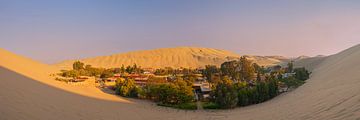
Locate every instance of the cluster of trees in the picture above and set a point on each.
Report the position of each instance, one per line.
(172, 71)
(225, 94)
(301, 73)
(235, 83)
(171, 93)
(237, 70)
(229, 95)
(81, 69)
(127, 88)
(261, 92)
(129, 69)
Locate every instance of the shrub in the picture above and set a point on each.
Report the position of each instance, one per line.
(78, 65)
(301, 74)
(243, 97)
(210, 105)
(127, 88)
(106, 74)
(70, 73)
(185, 106)
(292, 82)
(261, 92)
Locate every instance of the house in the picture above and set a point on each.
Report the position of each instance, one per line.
(141, 80)
(286, 75)
(106, 82)
(117, 75)
(202, 89)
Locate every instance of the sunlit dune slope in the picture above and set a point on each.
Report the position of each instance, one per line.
(25, 65)
(309, 63)
(187, 57)
(43, 73)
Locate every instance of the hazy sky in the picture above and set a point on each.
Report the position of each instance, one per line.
(51, 31)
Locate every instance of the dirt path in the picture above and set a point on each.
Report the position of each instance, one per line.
(199, 106)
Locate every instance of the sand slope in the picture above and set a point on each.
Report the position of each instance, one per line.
(41, 73)
(332, 93)
(188, 57)
(309, 63)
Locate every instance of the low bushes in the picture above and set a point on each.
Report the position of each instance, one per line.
(210, 105)
(185, 106)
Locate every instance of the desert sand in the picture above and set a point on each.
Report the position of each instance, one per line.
(28, 92)
(187, 57)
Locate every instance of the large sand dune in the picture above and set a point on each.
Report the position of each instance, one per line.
(188, 57)
(332, 93)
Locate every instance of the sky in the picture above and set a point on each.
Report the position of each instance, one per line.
(52, 31)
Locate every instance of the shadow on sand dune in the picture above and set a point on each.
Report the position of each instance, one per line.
(24, 98)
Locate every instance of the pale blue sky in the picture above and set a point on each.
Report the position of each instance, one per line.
(51, 31)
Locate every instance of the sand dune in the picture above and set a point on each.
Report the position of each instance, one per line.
(309, 63)
(42, 73)
(332, 93)
(188, 57)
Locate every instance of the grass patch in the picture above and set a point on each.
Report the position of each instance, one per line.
(210, 105)
(184, 106)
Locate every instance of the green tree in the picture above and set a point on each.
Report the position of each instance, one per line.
(290, 67)
(273, 88)
(88, 67)
(301, 74)
(243, 97)
(247, 71)
(184, 91)
(127, 88)
(78, 65)
(210, 71)
(188, 78)
(117, 70)
(167, 94)
(256, 67)
(129, 69)
(106, 74)
(291, 82)
(70, 73)
(225, 94)
(263, 91)
(122, 69)
(230, 69)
